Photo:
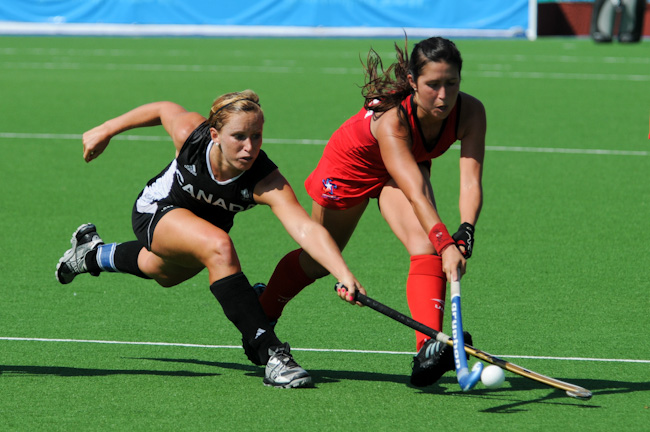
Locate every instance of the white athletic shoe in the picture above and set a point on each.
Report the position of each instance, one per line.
(73, 262)
(283, 371)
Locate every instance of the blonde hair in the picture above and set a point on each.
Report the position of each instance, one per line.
(226, 105)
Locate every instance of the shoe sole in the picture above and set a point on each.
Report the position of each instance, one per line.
(59, 276)
(300, 382)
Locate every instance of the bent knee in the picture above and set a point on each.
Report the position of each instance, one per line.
(419, 246)
(219, 251)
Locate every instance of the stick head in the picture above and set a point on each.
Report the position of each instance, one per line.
(467, 380)
(580, 393)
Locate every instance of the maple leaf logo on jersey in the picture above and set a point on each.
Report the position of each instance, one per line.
(328, 189)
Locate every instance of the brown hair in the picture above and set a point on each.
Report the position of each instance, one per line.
(226, 105)
(390, 87)
(385, 89)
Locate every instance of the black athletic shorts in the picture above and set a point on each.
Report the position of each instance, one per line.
(144, 224)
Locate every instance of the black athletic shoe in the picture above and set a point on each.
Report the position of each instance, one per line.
(250, 352)
(73, 262)
(433, 360)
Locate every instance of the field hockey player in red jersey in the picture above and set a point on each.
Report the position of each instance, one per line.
(182, 217)
(413, 112)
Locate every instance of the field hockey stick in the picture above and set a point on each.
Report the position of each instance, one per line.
(466, 379)
(571, 390)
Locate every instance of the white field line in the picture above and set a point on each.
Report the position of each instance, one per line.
(47, 136)
(487, 65)
(559, 76)
(326, 350)
(289, 68)
(568, 150)
(482, 60)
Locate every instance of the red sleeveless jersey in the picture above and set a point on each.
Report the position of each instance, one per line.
(351, 168)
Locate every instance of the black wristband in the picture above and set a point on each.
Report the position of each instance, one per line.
(465, 237)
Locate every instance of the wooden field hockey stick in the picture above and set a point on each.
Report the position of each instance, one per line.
(571, 390)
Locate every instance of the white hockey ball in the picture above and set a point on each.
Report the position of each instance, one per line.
(492, 376)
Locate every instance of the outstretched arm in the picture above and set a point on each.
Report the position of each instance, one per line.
(276, 192)
(177, 121)
(472, 154)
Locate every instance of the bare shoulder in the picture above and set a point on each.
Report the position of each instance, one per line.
(186, 123)
(472, 116)
(387, 125)
(182, 126)
(267, 188)
(472, 106)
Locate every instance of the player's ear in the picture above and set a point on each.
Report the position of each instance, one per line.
(214, 135)
(412, 82)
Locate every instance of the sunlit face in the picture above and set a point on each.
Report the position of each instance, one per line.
(240, 139)
(437, 87)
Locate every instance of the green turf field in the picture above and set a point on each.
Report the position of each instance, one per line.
(560, 271)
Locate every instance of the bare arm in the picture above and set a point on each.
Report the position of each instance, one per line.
(178, 123)
(401, 165)
(276, 192)
(472, 154)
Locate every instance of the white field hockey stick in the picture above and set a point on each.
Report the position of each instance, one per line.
(466, 379)
(571, 390)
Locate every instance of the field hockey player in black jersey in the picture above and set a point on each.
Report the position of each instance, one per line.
(182, 217)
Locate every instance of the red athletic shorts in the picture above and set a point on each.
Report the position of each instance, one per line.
(335, 185)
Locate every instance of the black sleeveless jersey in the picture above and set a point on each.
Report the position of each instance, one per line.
(188, 182)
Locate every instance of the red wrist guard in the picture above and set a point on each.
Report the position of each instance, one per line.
(440, 238)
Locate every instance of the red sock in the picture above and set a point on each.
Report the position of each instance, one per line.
(287, 281)
(426, 288)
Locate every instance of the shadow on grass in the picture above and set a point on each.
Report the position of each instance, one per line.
(598, 387)
(64, 371)
(554, 397)
(250, 368)
(322, 376)
(446, 386)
